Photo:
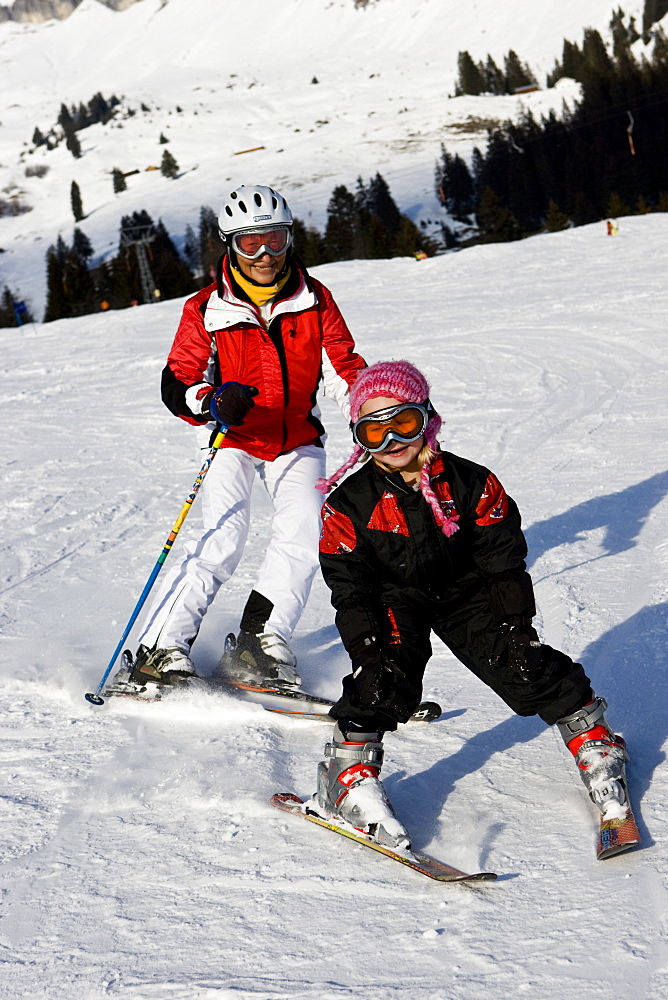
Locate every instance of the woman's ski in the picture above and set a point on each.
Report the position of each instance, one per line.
(294, 702)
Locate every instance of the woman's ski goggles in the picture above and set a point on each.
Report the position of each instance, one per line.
(404, 423)
(253, 243)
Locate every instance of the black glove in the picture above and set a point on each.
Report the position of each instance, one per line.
(229, 403)
(519, 640)
(377, 682)
(372, 678)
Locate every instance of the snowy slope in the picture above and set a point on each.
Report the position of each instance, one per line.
(140, 857)
(242, 75)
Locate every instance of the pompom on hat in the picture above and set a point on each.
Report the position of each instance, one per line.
(402, 381)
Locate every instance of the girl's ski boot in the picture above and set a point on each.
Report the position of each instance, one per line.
(349, 788)
(600, 756)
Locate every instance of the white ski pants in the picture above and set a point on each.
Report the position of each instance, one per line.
(290, 560)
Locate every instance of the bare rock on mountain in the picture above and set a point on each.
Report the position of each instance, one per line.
(36, 11)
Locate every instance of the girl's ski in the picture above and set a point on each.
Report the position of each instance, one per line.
(416, 860)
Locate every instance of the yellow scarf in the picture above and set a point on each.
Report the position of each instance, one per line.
(259, 295)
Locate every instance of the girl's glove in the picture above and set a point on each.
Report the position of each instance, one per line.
(378, 683)
(372, 678)
(519, 640)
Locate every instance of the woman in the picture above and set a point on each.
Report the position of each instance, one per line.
(250, 352)
(421, 540)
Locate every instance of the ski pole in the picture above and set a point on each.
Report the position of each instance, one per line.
(94, 697)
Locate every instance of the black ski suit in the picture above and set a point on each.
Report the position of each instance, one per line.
(394, 577)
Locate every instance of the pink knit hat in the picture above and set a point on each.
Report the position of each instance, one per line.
(396, 380)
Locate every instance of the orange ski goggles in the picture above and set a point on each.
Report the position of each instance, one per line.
(404, 423)
(252, 244)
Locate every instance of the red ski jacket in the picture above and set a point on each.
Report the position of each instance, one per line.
(222, 337)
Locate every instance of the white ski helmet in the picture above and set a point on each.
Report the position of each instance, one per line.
(253, 206)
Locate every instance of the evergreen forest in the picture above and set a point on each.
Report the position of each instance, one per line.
(606, 157)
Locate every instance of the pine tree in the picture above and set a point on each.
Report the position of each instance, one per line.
(516, 74)
(583, 212)
(555, 220)
(191, 250)
(38, 139)
(450, 239)
(119, 181)
(454, 185)
(595, 55)
(72, 143)
(210, 244)
(171, 274)
(470, 79)
(660, 53)
(477, 164)
(81, 244)
(620, 35)
(309, 244)
(99, 110)
(378, 201)
(616, 206)
(8, 310)
(55, 292)
(7, 314)
(409, 240)
(169, 167)
(81, 118)
(65, 119)
(78, 285)
(496, 222)
(77, 204)
(653, 11)
(342, 233)
(375, 241)
(494, 79)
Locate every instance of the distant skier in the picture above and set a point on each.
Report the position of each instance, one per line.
(264, 327)
(418, 540)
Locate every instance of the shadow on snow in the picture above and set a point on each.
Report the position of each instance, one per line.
(622, 514)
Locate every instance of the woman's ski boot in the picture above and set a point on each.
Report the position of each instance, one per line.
(349, 788)
(161, 666)
(262, 660)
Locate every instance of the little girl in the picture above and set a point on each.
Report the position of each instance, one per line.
(421, 540)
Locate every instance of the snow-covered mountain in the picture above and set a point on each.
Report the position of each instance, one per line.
(305, 95)
(140, 858)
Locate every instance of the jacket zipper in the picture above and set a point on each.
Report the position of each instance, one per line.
(277, 341)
